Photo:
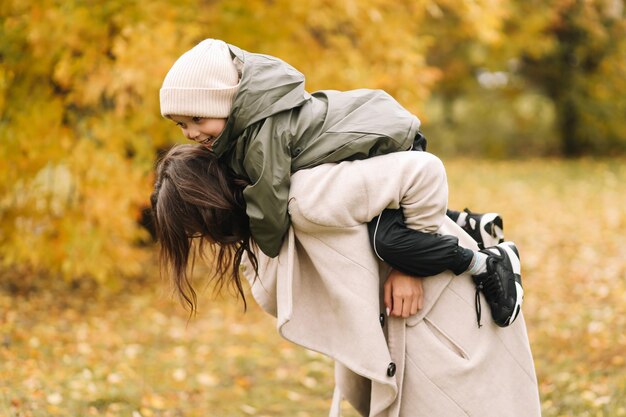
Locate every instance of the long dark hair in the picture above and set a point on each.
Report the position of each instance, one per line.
(198, 199)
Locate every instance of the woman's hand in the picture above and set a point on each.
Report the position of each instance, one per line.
(403, 294)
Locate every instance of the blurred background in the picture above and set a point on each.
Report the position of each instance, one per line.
(525, 102)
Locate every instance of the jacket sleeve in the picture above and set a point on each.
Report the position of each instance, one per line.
(351, 193)
(267, 163)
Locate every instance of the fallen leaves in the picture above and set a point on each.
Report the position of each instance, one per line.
(76, 353)
(568, 219)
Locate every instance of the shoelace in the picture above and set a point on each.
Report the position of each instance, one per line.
(477, 304)
(492, 288)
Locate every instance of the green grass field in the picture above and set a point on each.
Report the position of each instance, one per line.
(84, 353)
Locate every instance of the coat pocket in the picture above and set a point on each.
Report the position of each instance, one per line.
(445, 340)
(448, 323)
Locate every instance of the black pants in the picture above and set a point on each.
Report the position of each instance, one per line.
(413, 252)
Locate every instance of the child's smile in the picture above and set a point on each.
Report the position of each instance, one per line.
(200, 129)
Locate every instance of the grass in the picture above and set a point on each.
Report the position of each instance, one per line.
(85, 353)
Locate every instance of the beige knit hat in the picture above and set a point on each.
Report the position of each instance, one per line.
(202, 82)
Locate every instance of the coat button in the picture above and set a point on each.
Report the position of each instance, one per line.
(381, 318)
(391, 369)
(297, 151)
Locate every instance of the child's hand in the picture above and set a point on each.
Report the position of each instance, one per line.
(404, 294)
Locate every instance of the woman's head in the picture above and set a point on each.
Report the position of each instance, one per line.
(197, 199)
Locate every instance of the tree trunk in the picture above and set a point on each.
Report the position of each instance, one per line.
(572, 145)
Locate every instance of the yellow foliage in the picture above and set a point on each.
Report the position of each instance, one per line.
(74, 175)
(79, 120)
(80, 125)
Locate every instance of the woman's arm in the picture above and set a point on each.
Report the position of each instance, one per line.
(352, 193)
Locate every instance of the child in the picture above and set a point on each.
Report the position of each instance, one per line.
(253, 112)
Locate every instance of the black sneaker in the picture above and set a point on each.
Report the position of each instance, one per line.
(486, 229)
(501, 284)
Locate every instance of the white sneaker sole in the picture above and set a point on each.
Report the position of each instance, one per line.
(508, 247)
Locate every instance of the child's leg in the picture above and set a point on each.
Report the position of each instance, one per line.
(413, 252)
(495, 270)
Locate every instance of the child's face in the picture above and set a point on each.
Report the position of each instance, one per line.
(200, 129)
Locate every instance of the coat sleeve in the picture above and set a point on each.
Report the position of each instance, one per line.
(351, 193)
(267, 163)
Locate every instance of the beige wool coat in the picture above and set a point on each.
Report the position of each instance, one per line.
(325, 289)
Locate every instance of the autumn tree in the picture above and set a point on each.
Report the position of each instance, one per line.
(576, 55)
(462, 40)
(79, 126)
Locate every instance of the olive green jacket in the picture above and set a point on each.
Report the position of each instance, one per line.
(276, 128)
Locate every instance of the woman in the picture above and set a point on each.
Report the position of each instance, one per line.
(326, 286)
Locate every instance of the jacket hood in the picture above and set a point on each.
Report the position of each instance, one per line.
(268, 86)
